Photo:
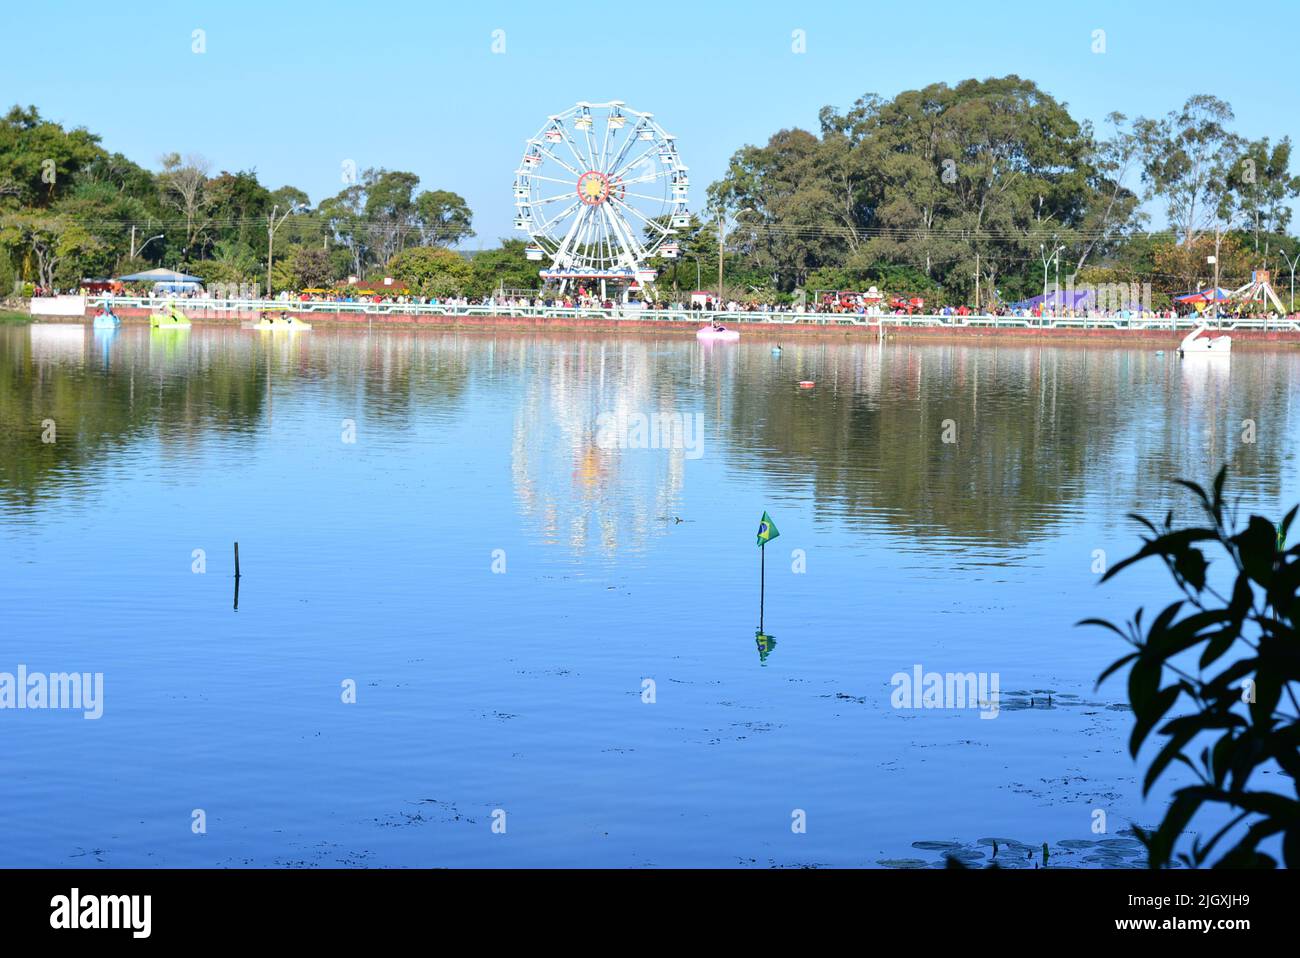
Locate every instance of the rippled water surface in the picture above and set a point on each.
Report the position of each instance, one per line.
(500, 582)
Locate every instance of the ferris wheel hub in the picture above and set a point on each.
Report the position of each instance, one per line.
(593, 187)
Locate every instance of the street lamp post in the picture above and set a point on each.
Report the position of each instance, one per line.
(136, 250)
(1291, 262)
(1042, 253)
(1048, 258)
(271, 227)
(722, 221)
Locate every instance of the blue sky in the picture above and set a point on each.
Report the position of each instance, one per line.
(295, 89)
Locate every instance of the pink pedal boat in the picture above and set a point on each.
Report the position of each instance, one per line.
(717, 334)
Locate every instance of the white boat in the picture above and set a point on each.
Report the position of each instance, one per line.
(1207, 345)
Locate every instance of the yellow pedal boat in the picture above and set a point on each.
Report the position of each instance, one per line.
(280, 324)
(172, 320)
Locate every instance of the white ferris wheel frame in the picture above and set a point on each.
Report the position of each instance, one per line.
(604, 236)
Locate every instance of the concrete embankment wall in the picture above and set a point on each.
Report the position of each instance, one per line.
(1162, 338)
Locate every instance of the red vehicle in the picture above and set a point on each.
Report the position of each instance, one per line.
(900, 305)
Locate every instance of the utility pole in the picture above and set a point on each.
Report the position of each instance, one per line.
(721, 221)
(1214, 289)
(1218, 239)
(1220, 231)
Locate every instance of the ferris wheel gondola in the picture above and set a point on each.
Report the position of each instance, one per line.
(601, 191)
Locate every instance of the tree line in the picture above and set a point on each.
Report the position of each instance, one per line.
(988, 184)
(995, 178)
(71, 210)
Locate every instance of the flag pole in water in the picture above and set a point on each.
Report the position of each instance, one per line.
(767, 531)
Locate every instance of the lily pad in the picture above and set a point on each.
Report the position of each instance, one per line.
(936, 846)
(1132, 843)
(902, 863)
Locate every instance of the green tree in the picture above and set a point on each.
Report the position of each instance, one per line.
(781, 205)
(444, 217)
(942, 180)
(1188, 158)
(1003, 169)
(310, 268)
(1112, 216)
(39, 159)
(381, 215)
(390, 210)
(237, 205)
(104, 212)
(54, 242)
(1262, 187)
(344, 219)
(432, 271)
(506, 267)
(183, 185)
(231, 262)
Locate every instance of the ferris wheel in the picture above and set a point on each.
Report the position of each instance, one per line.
(600, 191)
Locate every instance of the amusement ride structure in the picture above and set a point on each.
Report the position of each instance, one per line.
(600, 192)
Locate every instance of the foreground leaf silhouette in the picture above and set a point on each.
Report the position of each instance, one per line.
(1237, 702)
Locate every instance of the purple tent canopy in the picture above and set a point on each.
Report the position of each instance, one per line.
(1060, 299)
(1078, 299)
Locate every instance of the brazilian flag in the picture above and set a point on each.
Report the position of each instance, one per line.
(767, 530)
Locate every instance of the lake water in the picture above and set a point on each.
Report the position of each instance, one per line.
(555, 635)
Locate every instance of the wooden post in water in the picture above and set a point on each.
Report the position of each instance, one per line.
(236, 560)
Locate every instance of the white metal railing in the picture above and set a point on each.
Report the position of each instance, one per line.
(681, 315)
